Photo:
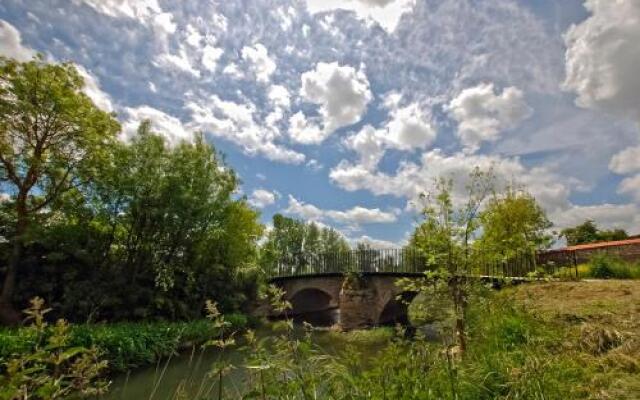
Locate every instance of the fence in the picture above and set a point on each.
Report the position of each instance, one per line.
(413, 261)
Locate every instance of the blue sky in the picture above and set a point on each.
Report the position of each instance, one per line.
(343, 111)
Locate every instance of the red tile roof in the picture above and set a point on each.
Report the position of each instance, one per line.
(599, 245)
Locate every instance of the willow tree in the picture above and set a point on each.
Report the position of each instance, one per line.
(49, 131)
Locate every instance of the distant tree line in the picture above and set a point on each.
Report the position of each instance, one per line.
(588, 232)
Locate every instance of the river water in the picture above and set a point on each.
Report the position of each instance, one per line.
(188, 372)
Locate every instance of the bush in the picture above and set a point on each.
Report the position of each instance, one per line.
(604, 266)
(125, 345)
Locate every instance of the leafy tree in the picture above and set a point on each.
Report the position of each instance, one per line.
(49, 131)
(445, 238)
(513, 222)
(588, 232)
(297, 242)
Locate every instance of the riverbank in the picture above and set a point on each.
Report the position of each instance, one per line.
(126, 345)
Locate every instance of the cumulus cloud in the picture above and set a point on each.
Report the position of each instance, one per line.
(410, 128)
(260, 63)
(235, 122)
(279, 96)
(11, 43)
(627, 161)
(482, 114)
(407, 128)
(167, 125)
(210, 56)
(261, 198)
(603, 55)
(354, 216)
(342, 93)
(631, 186)
(411, 179)
(93, 90)
(386, 13)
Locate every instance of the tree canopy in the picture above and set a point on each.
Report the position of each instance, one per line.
(588, 232)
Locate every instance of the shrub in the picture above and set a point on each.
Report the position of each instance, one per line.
(604, 266)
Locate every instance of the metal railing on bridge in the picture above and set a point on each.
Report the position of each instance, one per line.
(524, 264)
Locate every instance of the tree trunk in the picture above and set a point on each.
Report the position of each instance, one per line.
(8, 313)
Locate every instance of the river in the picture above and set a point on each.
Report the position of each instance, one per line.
(188, 371)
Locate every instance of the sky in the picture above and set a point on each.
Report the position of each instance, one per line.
(344, 111)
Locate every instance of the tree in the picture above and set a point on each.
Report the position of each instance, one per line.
(49, 131)
(297, 242)
(513, 222)
(588, 232)
(445, 238)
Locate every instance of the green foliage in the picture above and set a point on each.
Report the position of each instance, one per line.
(125, 345)
(297, 241)
(51, 366)
(51, 137)
(153, 234)
(588, 232)
(512, 223)
(604, 266)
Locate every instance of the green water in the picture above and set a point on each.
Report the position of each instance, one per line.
(188, 372)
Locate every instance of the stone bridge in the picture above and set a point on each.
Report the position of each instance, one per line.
(327, 299)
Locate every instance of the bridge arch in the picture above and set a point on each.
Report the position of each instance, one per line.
(396, 309)
(315, 306)
(310, 299)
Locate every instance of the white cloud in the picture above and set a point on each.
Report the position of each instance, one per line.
(607, 216)
(603, 56)
(374, 243)
(387, 13)
(342, 92)
(210, 56)
(169, 126)
(410, 128)
(144, 11)
(361, 215)
(136, 9)
(482, 114)
(11, 43)
(260, 64)
(412, 179)
(180, 62)
(627, 161)
(279, 96)
(631, 187)
(353, 216)
(92, 89)
(407, 128)
(306, 211)
(235, 122)
(261, 198)
(233, 71)
(304, 131)
(369, 144)
(194, 37)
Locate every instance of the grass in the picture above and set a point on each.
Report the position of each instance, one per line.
(126, 345)
(603, 266)
(595, 329)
